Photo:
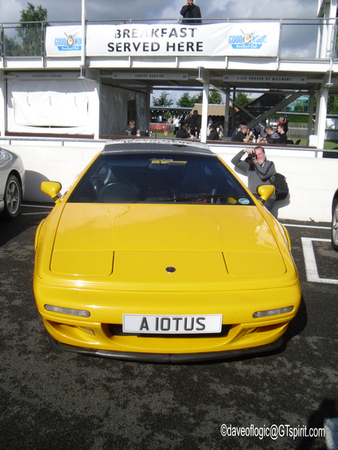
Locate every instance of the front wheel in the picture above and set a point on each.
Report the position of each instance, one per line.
(12, 197)
(334, 226)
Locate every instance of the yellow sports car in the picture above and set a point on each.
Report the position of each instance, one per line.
(159, 253)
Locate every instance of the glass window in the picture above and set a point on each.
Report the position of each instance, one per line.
(159, 178)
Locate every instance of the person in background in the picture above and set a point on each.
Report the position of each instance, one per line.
(182, 132)
(272, 137)
(176, 124)
(213, 134)
(243, 134)
(191, 13)
(258, 170)
(282, 134)
(283, 121)
(194, 122)
(131, 129)
(236, 130)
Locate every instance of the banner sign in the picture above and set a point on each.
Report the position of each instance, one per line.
(240, 39)
(149, 76)
(265, 79)
(64, 41)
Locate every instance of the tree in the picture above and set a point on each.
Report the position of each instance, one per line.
(332, 104)
(12, 47)
(30, 29)
(197, 98)
(242, 99)
(185, 101)
(215, 98)
(162, 100)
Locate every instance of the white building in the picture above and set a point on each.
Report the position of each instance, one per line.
(87, 80)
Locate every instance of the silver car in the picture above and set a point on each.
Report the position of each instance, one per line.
(12, 183)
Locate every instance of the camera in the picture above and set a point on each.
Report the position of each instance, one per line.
(252, 157)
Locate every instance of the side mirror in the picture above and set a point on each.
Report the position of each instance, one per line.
(265, 191)
(52, 188)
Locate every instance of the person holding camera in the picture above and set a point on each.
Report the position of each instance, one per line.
(258, 170)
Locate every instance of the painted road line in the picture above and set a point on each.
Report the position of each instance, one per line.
(310, 262)
(306, 226)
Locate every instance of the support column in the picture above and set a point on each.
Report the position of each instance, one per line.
(310, 121)
(203, 76)
(97, 106)
(205, 112)
(322, 98)
(3, 104)
(83, 26)
(226, 113)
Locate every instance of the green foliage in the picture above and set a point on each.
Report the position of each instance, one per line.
(167, 115)
(33, 15)
(332, 105)
(197, 98)
(296, 119)
(31, 28)
(12, 47)
(187, 101)
(215, 98)
(162, 100)
(299, 108)
(242, 99)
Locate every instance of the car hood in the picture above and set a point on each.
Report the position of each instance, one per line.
(139, 242)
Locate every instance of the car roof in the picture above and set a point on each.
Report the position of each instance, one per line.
(155, 145)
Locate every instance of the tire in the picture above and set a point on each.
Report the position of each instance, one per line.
(12, 197)
(334, 225)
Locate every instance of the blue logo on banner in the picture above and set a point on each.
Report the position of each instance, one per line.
(68, 43)
(247, 41)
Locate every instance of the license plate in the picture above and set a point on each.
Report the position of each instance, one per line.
(153, 324)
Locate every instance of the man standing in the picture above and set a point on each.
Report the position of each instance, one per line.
(194, 122)
(258, 170)
(191, 13)
(282, 134)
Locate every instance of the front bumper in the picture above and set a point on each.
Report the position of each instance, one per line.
(174, 358)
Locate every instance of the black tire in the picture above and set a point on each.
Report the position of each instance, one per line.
(12, 197)
(334, 225)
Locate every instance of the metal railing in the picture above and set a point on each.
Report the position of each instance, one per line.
(299, 38)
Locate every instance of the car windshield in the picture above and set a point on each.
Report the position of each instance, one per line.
(159, 178)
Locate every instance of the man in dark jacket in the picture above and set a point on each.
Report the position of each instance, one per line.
(272, 137)
(182, 132)
(191, 13)
(194, 122)
(243, 135)
(282, 134)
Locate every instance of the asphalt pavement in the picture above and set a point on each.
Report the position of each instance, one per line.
(63, 401)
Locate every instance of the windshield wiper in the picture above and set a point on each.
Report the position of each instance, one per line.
(202, 197)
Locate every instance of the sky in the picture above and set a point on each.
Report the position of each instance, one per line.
(70, 10)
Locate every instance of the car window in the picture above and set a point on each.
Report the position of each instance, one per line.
(159, 178)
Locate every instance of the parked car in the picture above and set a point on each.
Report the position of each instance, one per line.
(12, 183)
(159, 253)
(334, 223)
